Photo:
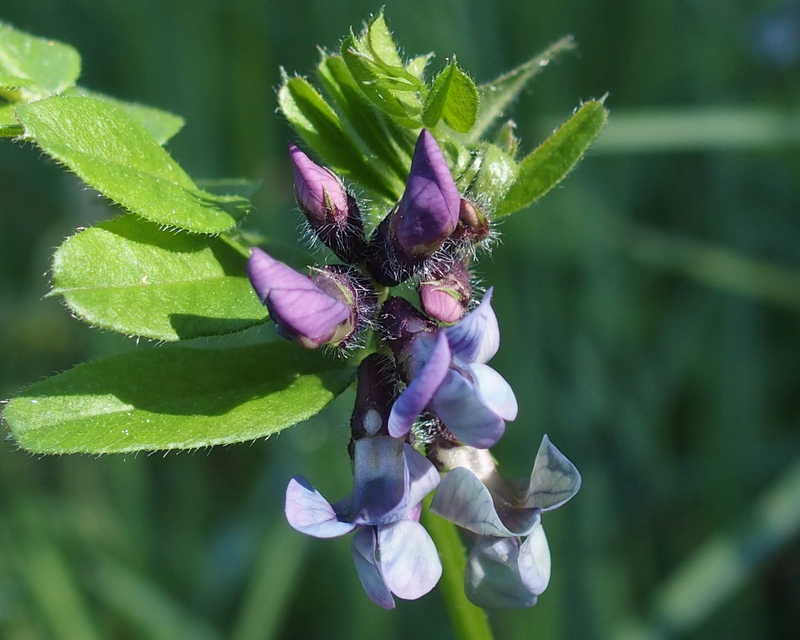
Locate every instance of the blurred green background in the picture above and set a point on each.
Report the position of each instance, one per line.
(649, 312)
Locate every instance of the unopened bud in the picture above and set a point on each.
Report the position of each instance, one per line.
(473, 225)
(446, 297)
(328, 308)
(330, 209)
(425, 217)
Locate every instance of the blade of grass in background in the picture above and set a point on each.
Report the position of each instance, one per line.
(723, 565)
(704, 128)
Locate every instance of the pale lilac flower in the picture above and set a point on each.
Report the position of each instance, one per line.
(392, 552)
(504, 570)
(326, 308)
(447, 374)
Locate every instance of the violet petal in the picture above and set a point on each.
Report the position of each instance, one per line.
(492, 577)
(493, 391)
(534, 561)
(554, 479)
(476, 337)
(464, 500)
(428, 211)
(295, 302)
(422, 475)
(409, 560)
(364, 547)
(416, 396)
(380, 480)
(318, 189)
(308, 512)
(459, 406)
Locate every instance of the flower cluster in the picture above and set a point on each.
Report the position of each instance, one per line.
(426, 386)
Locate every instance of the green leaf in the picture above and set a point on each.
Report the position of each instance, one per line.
(128, 276)
(506, 138)
(50, 66)
(381, 42)
(389, 143)
(452, 98)
(417, 66)
(323, 131)
(497, 171)
(162, 125)
(118, 157)
(9, 126)
(390, 88)
(175, 398)
(497, 95)
(554, 158)
(13, 82)
(240, 187)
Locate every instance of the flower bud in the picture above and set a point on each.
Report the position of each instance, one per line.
(446, 297)
(328, 308)
(473, 225)
(428, 211)
(400, 321)
(423, 220)
(330, 209)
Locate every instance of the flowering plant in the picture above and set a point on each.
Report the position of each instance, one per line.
(435, 170)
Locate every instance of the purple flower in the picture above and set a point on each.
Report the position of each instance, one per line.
(392, 552)
(425, 217)
(503, 570)
(327, 308)
(447, 374)
(330, 209)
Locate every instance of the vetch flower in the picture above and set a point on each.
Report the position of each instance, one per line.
(425, 217)
(504, 570)
(392, 552)
(330, 209)
(327, 308)
(446, 373)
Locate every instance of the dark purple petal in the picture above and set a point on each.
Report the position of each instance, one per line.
(554, 479)
(379, 482)
(364, 547)
(493, 576)
(409, 561)
(477, 337)
(299, 307)
(310, 513)
(320, 194)
(464, 500)
(428, 211)
(459, 406)
(416, 396)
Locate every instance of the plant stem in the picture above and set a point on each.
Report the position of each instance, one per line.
(469, 622)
